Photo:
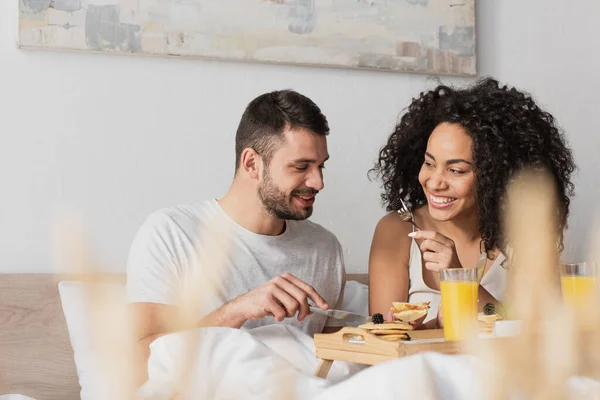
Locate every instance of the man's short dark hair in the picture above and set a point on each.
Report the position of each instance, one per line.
(267, 116)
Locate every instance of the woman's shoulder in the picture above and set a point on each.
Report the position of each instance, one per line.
(391, 233)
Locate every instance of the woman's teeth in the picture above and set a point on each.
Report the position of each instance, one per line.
(441, 200)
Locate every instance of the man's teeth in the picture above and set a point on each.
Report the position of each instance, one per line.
(442, 200)
(306, 197)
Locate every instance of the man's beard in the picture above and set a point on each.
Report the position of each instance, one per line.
(278, 203)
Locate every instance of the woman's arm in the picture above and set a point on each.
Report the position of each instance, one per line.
(388, 264)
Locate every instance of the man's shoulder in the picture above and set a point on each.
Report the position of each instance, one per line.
(181, 215)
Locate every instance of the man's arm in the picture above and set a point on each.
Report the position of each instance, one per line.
(149, 321)
(152, 320)
(281, 297)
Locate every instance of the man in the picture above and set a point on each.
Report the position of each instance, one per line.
(273, 261)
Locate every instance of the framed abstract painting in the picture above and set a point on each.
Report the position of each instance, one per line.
(428, 36)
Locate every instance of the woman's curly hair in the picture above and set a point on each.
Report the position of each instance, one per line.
(509, 132)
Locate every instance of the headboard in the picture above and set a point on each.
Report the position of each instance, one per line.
(36, 358)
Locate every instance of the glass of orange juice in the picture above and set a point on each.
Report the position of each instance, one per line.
(580, 289)
(458, 287)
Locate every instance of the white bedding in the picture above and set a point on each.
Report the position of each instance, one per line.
(88, 349)
(260, 364)
(278, 362)
(236, 364)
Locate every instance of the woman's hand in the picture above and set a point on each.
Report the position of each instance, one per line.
(438, 250)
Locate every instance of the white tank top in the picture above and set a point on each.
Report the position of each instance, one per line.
(494, 281)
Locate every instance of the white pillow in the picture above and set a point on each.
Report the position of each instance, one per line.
(82, 322)
(356, 298)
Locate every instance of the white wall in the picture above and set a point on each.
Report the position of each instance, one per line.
(116, 137)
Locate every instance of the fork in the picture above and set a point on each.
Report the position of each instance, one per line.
(405, 214)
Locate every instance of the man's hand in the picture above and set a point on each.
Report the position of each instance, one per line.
(438, 250)
(281, 297)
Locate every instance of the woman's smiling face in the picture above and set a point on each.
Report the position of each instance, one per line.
(448, 174)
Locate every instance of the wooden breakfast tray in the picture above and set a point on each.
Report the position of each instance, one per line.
(359, 346)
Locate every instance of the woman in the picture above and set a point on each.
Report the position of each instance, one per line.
(449, 159)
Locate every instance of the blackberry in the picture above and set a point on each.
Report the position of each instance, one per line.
(377, 318)
(489, 309)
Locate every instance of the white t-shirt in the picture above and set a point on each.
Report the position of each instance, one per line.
(175, 246)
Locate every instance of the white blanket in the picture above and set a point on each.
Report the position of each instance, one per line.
(278, 362)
